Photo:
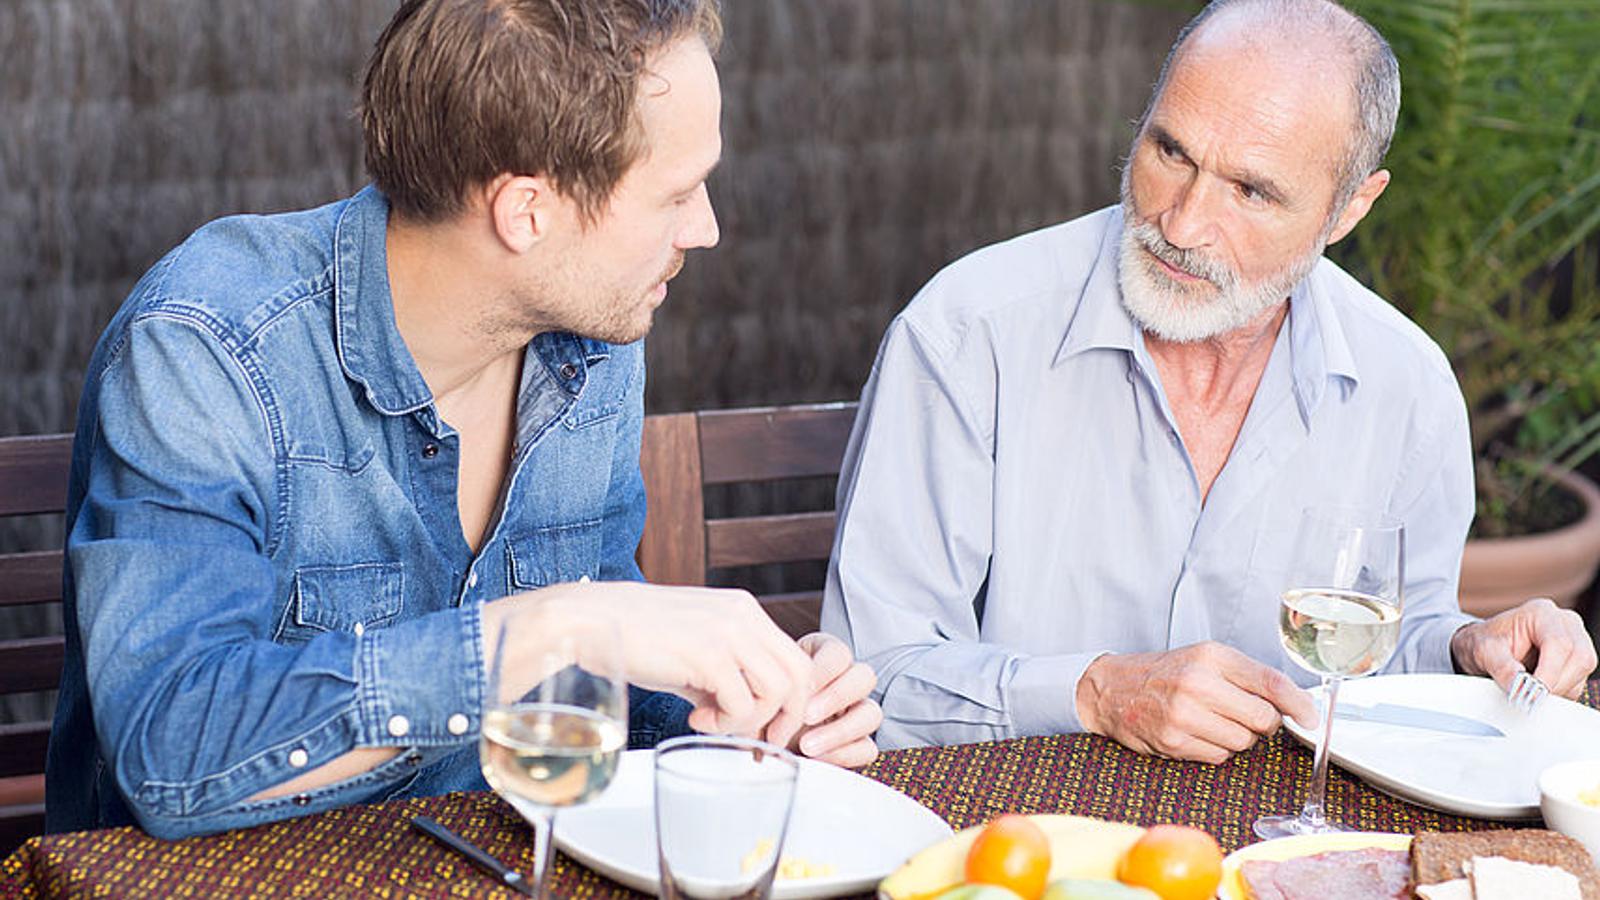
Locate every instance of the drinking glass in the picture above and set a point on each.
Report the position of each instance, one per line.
(1339, 618)
(722, 810)
(552, 730)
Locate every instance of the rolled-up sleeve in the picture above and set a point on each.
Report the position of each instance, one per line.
(911, 559)
(197, 708)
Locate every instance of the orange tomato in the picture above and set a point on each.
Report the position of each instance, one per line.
(1013, 853)
(1175, 861)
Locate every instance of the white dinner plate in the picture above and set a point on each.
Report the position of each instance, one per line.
(1486, 777)
(862, 828)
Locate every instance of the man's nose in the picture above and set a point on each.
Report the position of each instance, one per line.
(1191, 221)
(701, 230)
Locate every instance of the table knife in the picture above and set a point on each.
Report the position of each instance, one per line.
(1416, 717)
(507, 876)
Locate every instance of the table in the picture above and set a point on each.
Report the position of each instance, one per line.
(371, 851)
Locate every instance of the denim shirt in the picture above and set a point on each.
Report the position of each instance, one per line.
(265, 566)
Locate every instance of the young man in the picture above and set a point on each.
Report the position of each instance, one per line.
(1078, 466)
(325, 459)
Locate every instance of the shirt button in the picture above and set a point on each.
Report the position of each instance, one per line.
(399, 726)
(472, 579)
(302, 800)
(429, 451)
(360, 629)
(569, 371)
(457, 724)
(298, 758)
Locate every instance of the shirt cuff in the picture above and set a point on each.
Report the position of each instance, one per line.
(1432, 642)
(421, 683)
(1042, 695)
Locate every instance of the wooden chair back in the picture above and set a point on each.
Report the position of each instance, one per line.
(684, 452)
(33, 481)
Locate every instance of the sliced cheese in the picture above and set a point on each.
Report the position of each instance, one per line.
(1460, 889)
(1498, 878)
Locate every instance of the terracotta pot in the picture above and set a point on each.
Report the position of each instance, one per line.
(1499, 573)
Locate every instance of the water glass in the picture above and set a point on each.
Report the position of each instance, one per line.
(722, 810)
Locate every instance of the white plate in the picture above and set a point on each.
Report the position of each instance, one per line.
(862, 828)
(1486, 777)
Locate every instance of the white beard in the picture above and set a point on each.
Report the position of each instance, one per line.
(1187, 313)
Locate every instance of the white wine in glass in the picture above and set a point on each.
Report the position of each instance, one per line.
(553, 731)
(1339, 618)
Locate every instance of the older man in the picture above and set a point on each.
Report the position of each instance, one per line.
(1081, 456)
(325, 459)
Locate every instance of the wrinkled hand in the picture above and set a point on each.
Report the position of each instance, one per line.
(1203, 702)
(839, 719)
(1539, 636)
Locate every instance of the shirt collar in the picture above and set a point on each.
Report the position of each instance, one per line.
(1100, 321)
(371, 350)
(1319, 348)
(1320, 351)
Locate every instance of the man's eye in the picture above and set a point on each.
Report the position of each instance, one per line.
(1251, 194)
(1168, 149)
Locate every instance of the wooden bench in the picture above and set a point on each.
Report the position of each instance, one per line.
(682, 454)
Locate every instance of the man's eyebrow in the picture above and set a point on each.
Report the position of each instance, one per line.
(1256, 181)
(705, 175)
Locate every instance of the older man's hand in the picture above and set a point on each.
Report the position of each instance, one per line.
(1203, 702)
(841, 716)
(1539, 636)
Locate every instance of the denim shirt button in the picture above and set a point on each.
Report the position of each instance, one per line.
(302, 800)
(399, 726)
(298, 758)
(413, 758)
(569, 371)
(472, 579)
(429, 451)
(458, 724)
(360, 629)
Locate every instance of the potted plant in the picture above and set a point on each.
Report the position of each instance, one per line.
(1489, 237)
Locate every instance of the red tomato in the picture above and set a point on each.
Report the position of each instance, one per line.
(1013, 853)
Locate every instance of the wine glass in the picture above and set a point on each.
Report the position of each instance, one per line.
(553, 730)
(1339, 618)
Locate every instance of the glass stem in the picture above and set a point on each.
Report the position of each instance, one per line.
(1314, 813)
(544, 826)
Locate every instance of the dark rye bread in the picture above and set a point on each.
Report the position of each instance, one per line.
(1439, 857)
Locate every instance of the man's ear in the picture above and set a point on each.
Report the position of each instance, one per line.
(521, 210)
(1356, 210)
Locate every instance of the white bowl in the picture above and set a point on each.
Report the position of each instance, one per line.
(1559, 787)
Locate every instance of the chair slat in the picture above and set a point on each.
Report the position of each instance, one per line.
(673, 547)
(798, 614)
(33, 473)
(31, 664)
(30, 578)
(22, 748)
(774, 442)
(758, 540)
(17, 824)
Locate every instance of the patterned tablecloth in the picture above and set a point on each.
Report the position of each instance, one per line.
(370, 851)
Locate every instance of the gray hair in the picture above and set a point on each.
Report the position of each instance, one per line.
(1375, 75)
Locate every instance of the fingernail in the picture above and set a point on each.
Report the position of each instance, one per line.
(810, 745)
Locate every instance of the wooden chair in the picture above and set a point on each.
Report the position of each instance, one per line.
(685, 452)
(33, 480)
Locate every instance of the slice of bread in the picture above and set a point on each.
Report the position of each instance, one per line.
(1439, 857)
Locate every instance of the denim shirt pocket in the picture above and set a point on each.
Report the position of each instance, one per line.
(554, 555)
(338, 598)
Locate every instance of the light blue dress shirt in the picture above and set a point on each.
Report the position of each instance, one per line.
(1016, 499)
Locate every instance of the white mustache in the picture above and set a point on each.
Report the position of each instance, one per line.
(1192, 262)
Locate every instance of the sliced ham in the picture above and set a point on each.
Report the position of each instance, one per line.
(1343, 875)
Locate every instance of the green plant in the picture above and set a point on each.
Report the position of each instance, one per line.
(1489, 234)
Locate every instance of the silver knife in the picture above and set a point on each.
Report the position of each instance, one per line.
(1416, 717)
